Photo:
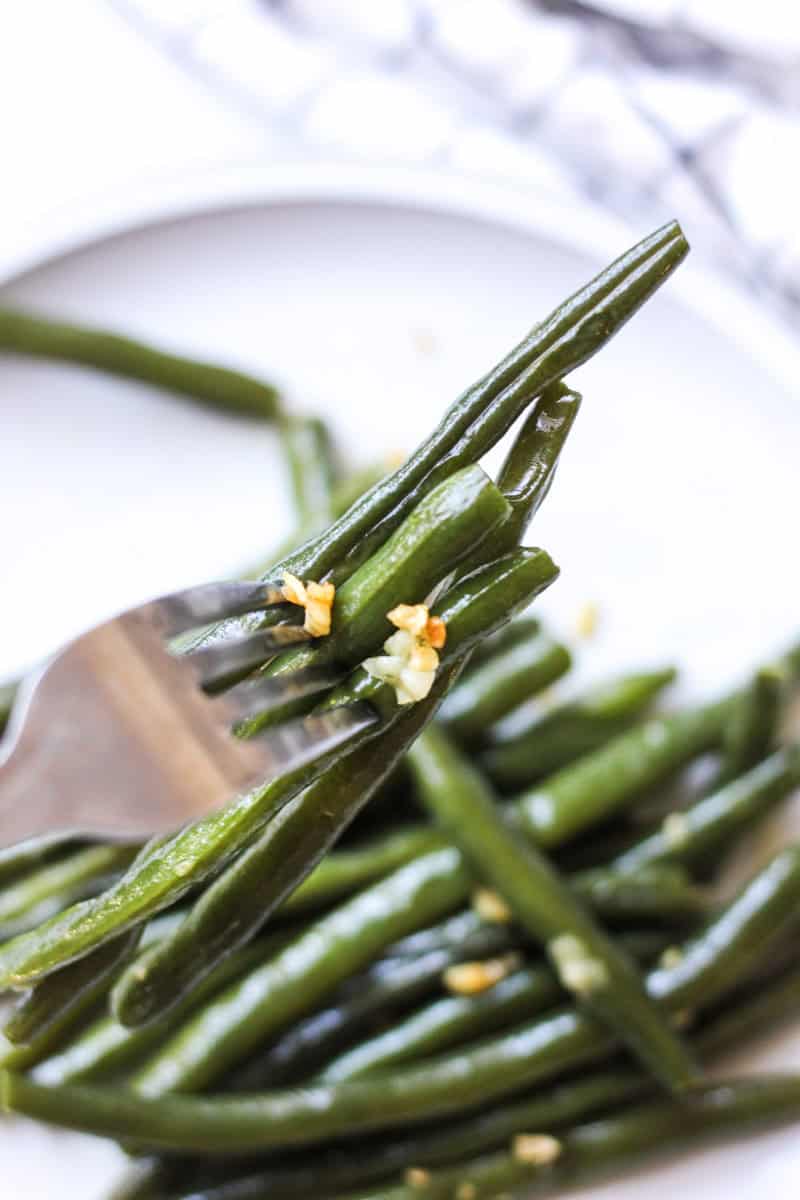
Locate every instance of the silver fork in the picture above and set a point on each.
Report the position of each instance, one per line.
(117, 737)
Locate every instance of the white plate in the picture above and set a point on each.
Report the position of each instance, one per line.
(373, 298)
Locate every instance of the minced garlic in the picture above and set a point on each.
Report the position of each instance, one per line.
(417, 1177)
(315, 598)
(577, 970)
(471, 978)
(671, 957)
(675, 829)
(491, 907)
(538, 1149)
(466, 1191)
(410, 660)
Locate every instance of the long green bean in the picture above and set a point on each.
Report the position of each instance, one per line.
(572, 333)
(563, 733)
(307, 445)
(588, 962)
(505, 681)
(753, 726)
(718, 1109)
(307, 970)
(711, 823)
(217, 387)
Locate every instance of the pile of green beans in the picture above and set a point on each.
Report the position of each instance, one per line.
(264, 1010)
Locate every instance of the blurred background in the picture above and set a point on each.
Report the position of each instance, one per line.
(647, 107)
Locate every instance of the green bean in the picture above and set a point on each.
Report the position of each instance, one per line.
(770, 1002)
(601, 974)
(445, 526)
(243, 897)
(216, 387)
(22, 858)
(565, 732)
(512, 634)
(529, 469)
(345, 871)
(388, 988)
(572, 333)
(661, 892)
(105, 1046)
(65, 995)
(751, 731)
(710, 824)
(453, 1020)
(484, 938)
(50, 1014)
(71, 876)
(712, 959)
(504, 682)
(527, 1055)
(600, 784)
(307, 444)
(307, 970)
(721, 1108)
(340, 1167)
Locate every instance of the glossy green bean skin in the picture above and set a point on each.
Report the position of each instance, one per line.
(530, 1054)
(308, 450)
(488, 1130)
(444, 527)
(216, 387)
(64, 996)
(567, 731)
(710, 824)
(310, 968)
(501, 684)
(458, 798)
(752, 729)
(600, 784)
(265, 875)
(662, 893)
(386, 990)
(510, 635)
(712, 960)
(719, 1109)
(343, 872)
(572, 333)
(529, 469)
(54, 883)
(105, 1046)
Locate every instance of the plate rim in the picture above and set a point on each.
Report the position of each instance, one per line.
(578, 226)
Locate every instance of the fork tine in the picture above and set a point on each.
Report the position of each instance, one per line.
(305, 739)
(210, 602)
(218, 663)
(280, 694)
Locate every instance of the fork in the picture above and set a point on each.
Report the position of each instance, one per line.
(117, 737)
